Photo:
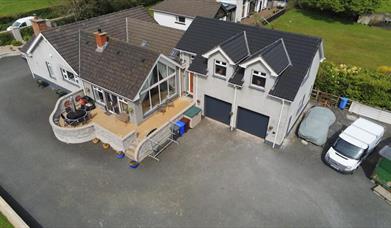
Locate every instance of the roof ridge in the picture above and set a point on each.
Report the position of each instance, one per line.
(123, 42)
(262, 28)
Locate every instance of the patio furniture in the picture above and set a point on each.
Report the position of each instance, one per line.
(124, 117)
(76, 117)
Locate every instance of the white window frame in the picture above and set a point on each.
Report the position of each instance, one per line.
(157, 84)
(178, 21)
(50, 70)
(260, 74)
(65, 76)
(121, 102)
(221, 64)
(97, 98)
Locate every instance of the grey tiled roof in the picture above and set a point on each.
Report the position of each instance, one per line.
(236, 47)
(199, 65)
(156, 37)
(65, 38)
(204, 34)
(237, 78)
(121, 67)
(191, 8)
(275, 55)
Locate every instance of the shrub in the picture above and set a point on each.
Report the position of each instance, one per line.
(364, 85)
(5, 38)
(16, 43)
(384, 70)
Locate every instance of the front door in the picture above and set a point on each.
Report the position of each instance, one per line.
(112, 103)
(190, 87)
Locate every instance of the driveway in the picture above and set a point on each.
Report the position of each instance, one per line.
(214, 177)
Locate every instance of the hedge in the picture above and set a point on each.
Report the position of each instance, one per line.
(364, 85)
(49, 12)
(6, 38)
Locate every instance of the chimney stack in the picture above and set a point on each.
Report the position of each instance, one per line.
(39, 25)
(101, 40)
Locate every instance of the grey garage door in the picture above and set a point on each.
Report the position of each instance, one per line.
(217, 109)
(252, 122)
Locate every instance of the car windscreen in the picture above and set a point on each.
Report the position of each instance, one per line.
(16, 24)
(347, 149)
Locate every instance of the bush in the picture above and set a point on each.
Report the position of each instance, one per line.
(364, 85)
(345, 7)
(384, 70)
(28, 31)
(6, 38)
(16, 43)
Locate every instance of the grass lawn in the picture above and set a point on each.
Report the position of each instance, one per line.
(345, 42)
(385, 6)
(12, 7)
(4, 222)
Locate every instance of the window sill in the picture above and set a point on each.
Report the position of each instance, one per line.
(220, 77)
(180, 23)
(262, 89)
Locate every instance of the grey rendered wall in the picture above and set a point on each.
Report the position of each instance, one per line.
(305, 90)
(247, 97)
(37, 63)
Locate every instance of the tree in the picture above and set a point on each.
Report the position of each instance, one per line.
(345, 7)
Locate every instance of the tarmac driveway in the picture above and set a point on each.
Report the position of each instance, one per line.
(214, 177)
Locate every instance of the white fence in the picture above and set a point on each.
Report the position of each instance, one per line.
(370, 112)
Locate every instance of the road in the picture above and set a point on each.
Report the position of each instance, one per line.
(213, 178)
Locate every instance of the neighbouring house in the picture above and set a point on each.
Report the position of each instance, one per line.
(244, 8)
(254, 79)
(125, 63)
(179, 14)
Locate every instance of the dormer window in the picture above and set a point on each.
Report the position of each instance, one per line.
(220, 68)
(258, 79)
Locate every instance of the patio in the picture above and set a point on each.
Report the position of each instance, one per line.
(113, 124)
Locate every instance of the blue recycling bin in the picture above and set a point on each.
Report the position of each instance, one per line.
(181, 126)
(343, 103)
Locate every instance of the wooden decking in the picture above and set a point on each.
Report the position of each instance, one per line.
(111, 123)
(161, 117)
(122, 129)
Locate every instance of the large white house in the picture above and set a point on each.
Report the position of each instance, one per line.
(143, 77)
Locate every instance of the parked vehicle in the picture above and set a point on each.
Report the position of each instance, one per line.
(354, 145)
(315, 125)
(20, 23)
(382, 173)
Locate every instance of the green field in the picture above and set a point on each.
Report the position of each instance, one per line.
(4, 222)
(345, 42)
(12, 7)
(385, 7)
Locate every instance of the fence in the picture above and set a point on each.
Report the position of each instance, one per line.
(330, 100)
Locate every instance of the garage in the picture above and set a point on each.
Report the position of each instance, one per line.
(252, 122)
(217, 109)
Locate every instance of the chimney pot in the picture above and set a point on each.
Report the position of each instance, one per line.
(101, 39)
(39, 25)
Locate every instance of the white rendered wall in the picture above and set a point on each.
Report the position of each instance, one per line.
(169, 20)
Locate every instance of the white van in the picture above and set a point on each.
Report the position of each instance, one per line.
(20, 23)
(354, 145)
